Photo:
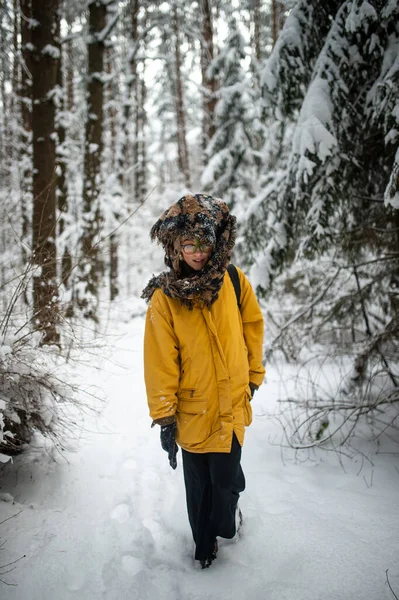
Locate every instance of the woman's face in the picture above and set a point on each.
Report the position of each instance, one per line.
(195, 254)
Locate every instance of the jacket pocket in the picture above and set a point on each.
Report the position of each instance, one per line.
(192, 422)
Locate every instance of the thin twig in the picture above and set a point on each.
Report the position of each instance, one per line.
(389, 585)
(12, 517)
(8, 583)
(12, 563)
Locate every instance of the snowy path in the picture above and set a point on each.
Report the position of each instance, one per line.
(110, 522)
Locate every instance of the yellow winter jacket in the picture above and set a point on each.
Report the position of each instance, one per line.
(198, 364)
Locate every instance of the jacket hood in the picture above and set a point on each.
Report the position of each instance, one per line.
(203, 217)
(200, 216)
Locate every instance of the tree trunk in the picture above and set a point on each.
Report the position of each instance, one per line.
(15, 64)
(45, 59)
(182, 148)
(90, 269)
(4, 95)
(25, 109)
(113, 266)
(142, 179)
(257, 28)
(111, 120)
(62, 167)
(139, 141)
(26, 80)
(136, 134)
(277, 18)
(69, 73)
(141, 171)
(208, 85)
(129, 95)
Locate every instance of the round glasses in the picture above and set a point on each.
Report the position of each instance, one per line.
(193, 248)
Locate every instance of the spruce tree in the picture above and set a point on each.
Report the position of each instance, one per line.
(327, 227)
(232, 154)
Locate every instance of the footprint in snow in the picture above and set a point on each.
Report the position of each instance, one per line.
(120, 513)
(131, 564)
(129, 464)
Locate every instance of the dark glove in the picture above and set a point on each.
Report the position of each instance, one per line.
(253, 389)
(168, 443)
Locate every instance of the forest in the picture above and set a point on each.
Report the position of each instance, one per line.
(110, 110)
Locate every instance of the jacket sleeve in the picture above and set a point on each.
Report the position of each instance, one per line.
(161, 361)
(253, 328)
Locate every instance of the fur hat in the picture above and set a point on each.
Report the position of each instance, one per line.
(200, 216)
(207, 219)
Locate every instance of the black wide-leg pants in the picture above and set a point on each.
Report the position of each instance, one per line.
(213, 481)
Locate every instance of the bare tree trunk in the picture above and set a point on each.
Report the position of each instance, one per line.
(142, 172)
(25, 99)
(208, 85)
(139, 90)
(129, 97)
(90, 269)
(139, 141)
(257, 28)
(180, 111)
(62, 166)
(134, 110)
(114, 237)
(136, 134)
(113, 266)
(69, 74)
(26, 70)
(277, 18)
(45, 59)
(4, 77)
(66, 81)
(15, 64)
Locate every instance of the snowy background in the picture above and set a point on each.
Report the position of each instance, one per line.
(304, 104)
(105, 518)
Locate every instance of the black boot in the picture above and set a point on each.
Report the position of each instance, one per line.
(206, 562)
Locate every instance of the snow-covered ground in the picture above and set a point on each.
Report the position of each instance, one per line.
(106, 519)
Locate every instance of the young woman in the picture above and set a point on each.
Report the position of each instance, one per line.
(202, 362)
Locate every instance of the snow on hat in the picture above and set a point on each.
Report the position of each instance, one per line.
(200, 216)
(207, 219)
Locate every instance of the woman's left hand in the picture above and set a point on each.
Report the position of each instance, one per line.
(168, 443)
